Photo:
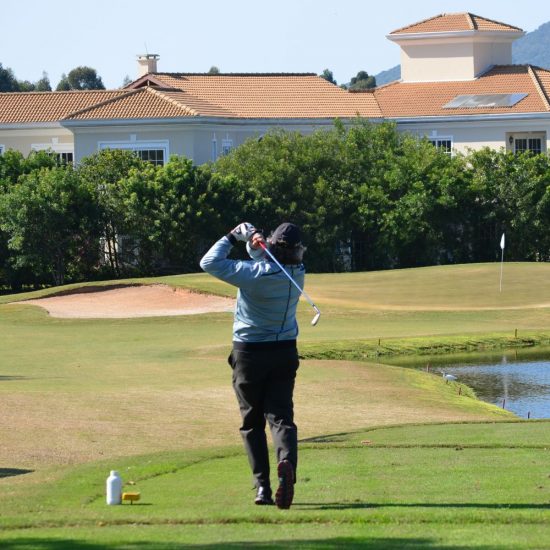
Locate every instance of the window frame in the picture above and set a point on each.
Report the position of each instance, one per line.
(63, 160)
(227, 146)
(528, 139)
(512, 139)
(436, 141)
(135, 145)
(155, 161)
(56, 148)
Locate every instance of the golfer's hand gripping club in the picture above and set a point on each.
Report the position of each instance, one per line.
(315, 319)
(243, 232)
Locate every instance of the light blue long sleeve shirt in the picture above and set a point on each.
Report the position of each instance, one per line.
(266, 300)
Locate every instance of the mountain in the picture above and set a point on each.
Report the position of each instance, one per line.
(388, 76)
(533, 48)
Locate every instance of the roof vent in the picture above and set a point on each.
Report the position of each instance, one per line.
(147, 63)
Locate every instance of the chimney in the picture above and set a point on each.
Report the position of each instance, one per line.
(147, 63)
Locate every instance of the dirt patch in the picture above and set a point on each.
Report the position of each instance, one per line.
(131, 301)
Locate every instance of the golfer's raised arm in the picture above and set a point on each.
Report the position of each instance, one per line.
(216, 263)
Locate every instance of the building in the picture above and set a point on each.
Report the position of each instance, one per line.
(200, 116)
(458, 88)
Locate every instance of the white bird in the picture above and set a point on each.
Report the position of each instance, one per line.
(449, 376)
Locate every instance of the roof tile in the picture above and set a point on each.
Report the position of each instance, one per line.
(455, 22)
(29, 107)
(234, 96)
(415, 99)
(276, 96)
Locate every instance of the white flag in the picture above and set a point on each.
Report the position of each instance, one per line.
(502, 242)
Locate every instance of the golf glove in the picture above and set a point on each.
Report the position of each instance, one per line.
(243, 232)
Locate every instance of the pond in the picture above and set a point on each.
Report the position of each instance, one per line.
(518, 380)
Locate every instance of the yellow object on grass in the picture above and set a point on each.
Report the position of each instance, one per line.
(132, 497)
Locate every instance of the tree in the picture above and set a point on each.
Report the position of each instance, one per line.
(291, 177)
(510, 193)
(169, 211)
(214, 70)
(13, 164)
(362, 81)
(8, 82)
(43, 85)
(63, 85)
(104, 172)
(25, 86)
(81, 78)
(51, 223)
(328, 76)
(126, 81)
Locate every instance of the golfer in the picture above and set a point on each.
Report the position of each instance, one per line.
(264, 357)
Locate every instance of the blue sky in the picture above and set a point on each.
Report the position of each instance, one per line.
(344, 36)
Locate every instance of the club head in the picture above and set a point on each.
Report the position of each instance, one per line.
(315, 320)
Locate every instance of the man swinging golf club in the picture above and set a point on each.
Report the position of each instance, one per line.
(264, 357)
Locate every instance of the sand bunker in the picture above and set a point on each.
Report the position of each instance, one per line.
(131, 301)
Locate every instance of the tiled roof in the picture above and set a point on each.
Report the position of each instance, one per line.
(415, 99)
(28, 107)
(147, 103)
(263, 95)
(178, 95)
(187, 95)
(455, 22)
(276, 96)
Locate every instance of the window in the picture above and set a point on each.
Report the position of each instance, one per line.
(64, 158)
(443, 144)
(154, 156)
(227, 145)
(534, 142)
(1, 149)
(62, 151)
(523, 145)
(155, 152)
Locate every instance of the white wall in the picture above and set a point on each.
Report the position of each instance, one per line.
(191, 140)
(23, 139)
(487, 54)
(440, 59)
(469, 135)
(195, 141)
(429, 62)
(89, 140)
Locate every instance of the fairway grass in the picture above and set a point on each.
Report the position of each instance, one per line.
(391, 457)
(408, 487)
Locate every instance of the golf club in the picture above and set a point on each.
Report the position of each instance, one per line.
(317, 312)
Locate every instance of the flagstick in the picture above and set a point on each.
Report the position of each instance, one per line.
(501, 264)
(502, 244)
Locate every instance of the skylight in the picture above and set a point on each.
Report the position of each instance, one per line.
(483, 101)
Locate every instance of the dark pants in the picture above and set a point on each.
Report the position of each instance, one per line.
(263, 381)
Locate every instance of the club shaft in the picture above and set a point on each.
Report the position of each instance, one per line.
(301, 290)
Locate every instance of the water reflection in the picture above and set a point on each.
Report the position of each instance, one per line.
(518, 380)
